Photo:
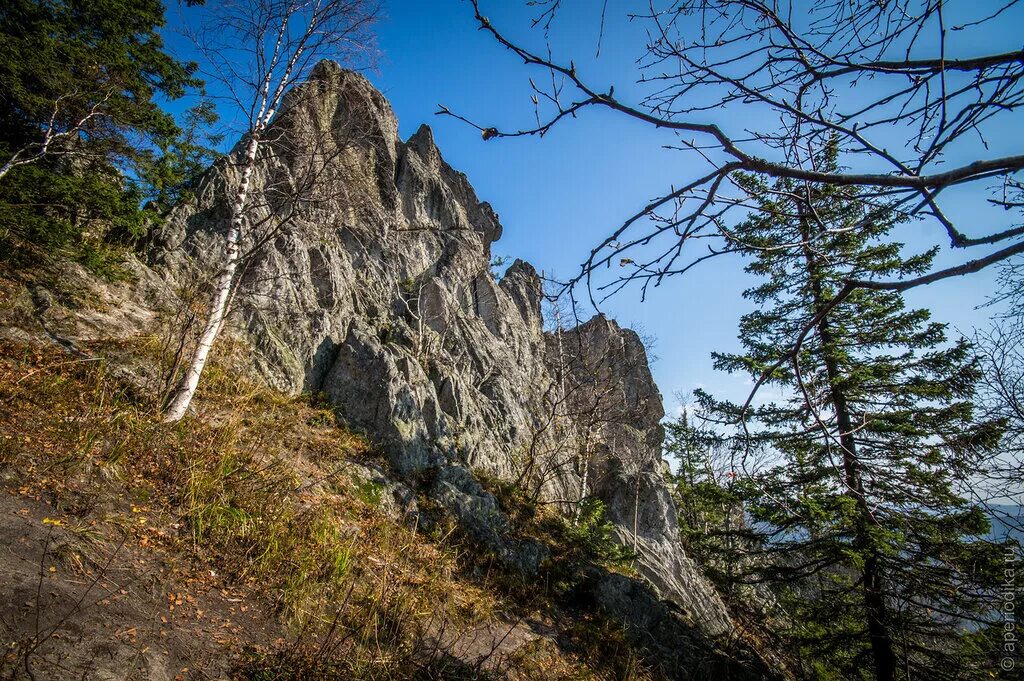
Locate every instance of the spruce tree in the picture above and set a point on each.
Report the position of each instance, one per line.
(62, 60)
(84, 139)
(866, 529)
(709, 509)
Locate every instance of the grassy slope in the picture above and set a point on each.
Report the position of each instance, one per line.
(242, 543)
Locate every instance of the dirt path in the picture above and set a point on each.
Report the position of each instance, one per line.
(75, 604)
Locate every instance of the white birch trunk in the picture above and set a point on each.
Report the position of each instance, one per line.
(51, 135)
(14, 161)
(584, 481)
(226, 278)
(222, 292)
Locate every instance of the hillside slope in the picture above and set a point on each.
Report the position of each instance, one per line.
(501, 510)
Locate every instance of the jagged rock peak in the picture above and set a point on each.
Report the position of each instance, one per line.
(333, 89)
(422, 141)
(379, 294)
(524, 285)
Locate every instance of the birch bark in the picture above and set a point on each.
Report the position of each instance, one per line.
(280, 41)
(186, 390)
(222, 292)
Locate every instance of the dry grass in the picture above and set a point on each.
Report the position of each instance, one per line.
(258, 494)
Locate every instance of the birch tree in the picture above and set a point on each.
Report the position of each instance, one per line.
(53, 134)
(255, 50)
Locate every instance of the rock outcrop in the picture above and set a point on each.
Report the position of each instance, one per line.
(604, 372)
(370, 281)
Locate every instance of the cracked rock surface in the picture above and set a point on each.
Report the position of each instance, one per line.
(377, 290)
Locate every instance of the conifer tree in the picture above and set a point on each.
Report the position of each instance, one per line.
(866, 530)
(81, 122)
(83, 79)
(707, 506)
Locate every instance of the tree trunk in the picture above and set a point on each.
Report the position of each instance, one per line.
(880, 637)
(186, 389)
(6, 168)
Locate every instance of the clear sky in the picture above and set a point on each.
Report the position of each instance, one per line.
(559, 196)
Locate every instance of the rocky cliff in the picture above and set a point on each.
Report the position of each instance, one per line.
(369, 284)
(369, 280)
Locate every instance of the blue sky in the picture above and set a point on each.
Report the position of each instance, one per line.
(560, 195)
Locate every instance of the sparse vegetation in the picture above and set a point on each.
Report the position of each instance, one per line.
(589, 539)
(257, 494)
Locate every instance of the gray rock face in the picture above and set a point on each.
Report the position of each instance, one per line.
(605, 374)
(675, 648)
(376, 289)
